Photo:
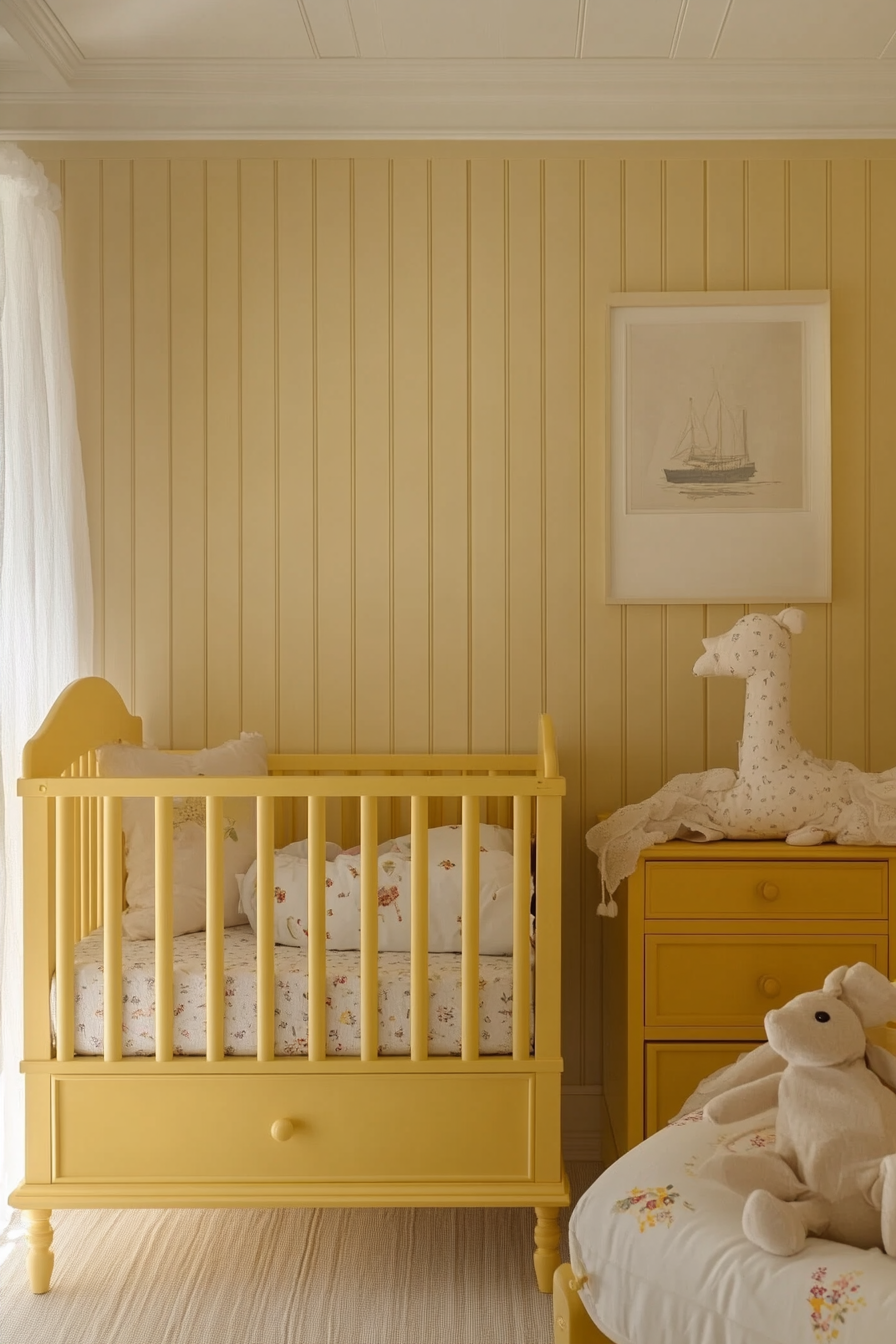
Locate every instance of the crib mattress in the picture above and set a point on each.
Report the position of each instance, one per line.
(343, 1015)
(667, 1260)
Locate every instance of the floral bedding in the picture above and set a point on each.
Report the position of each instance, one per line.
(290, 999)
(343, 893)
(666, 1261)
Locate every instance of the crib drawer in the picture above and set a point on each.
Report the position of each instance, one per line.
(757, 890)
(341, 1128)
(710, 980)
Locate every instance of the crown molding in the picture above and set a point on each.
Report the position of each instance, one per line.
(43, 39)
(519, 99)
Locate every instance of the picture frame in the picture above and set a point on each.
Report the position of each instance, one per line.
(719, 447)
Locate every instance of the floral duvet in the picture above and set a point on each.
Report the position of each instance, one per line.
(667, 1262)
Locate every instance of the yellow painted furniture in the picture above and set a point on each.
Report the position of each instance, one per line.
(188, 1132)
(708, 938)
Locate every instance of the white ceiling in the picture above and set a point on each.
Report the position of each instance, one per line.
(503, 68)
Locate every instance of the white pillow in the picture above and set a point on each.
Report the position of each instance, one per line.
(245, 756)
(343, 878)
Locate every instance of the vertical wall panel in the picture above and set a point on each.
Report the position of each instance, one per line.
(849, 667)
(334, 498)
(450, 524)
(603, 654)
(645, 709)
(726, 256)
(525, 350)
(296, 422)
(807, 263)
(188, 483)
(766, 224)
(488, 457)
(152, 449)
(881, 382)
(223, 505)
(411, 482)
(563, 240)
(373, 502)
(602, 717)
(83, 280)
(258, 368)
(118, 431)
(684, 268)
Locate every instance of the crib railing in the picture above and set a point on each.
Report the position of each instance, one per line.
(74, 874)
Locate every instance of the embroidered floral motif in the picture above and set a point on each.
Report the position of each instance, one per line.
(388, 896)
(279, 895)
(192, 811)
(691, 1118)
(830, 1303)
(652, 1206)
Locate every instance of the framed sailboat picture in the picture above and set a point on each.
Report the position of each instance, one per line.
(719, 462)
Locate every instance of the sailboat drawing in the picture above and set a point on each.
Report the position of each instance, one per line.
(712, 447)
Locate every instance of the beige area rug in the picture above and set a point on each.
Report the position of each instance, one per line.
(284, 1276)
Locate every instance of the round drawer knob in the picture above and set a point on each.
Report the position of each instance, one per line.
(768, 891)
(769, 986)
(281, 1130)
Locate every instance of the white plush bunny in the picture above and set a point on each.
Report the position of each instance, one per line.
(833, 1171)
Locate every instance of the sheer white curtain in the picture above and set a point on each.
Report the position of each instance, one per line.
(46, 608)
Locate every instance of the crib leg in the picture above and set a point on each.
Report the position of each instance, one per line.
(40, 1258)
(547, 1247)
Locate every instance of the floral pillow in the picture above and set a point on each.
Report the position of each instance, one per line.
(246, 755)
(343, 887)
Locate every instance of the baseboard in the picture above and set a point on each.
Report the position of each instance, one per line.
(582, 1122)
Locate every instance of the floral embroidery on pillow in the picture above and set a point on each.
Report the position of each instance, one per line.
(652, 1206)
(691, 1118)
(829, 1303)
(187, 810)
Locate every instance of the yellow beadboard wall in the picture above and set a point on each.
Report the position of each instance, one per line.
(342, 411)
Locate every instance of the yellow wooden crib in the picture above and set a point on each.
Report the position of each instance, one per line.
(172, 1130)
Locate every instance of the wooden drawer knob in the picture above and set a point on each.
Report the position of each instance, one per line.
(769, 986)
(281, 1130)
(768, 891)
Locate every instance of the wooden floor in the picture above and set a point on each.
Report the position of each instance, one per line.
(285, 1276)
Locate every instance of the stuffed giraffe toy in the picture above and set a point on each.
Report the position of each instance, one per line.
(780, 790)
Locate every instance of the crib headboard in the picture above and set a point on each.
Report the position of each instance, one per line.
(86, 714)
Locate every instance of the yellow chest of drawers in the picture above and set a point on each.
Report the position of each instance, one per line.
(710, 937)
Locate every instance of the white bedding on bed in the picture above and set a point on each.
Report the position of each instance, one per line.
(667, 1261)
(290, 1002)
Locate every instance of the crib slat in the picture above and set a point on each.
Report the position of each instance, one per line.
(87, 924)
(265, 929)
(164, 814)
(369, 967)
(469, 944)
(65, 928)
(112, 987)
(214, 929)
(419, 928)
(96, 849)
(317, 928)
(522, 828)
(78, 929)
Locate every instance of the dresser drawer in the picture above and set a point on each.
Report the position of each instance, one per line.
(345, 1128)
(673, 1071)
(710, 980)
(823, 889)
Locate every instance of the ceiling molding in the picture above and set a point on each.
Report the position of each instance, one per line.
(502, 99)
(43, 39)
